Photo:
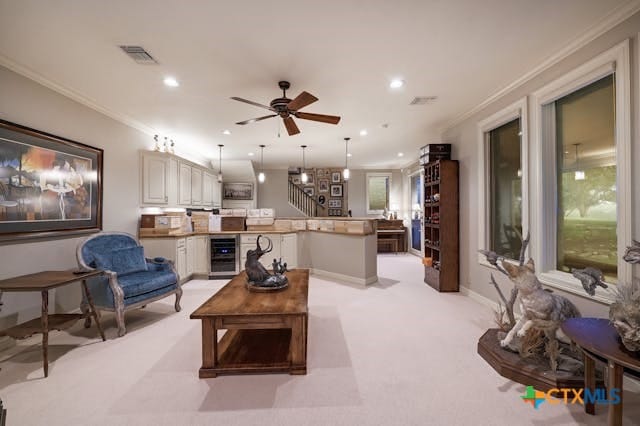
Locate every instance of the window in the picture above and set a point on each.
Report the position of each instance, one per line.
(505, 191)
(582, 158)
(586, 169)
(378, 188)
(503, 181)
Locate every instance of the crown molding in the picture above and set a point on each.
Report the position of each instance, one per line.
(71, 94)
(616, 17)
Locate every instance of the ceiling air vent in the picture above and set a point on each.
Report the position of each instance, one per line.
(423, 100)
(138, 54)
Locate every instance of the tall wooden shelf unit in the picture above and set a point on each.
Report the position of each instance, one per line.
(441, 225)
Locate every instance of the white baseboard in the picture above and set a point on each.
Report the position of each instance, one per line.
(346, 278)
(483, 300)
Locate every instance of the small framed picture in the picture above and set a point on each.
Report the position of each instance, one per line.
(322, 199)
(336, 177)
(336, 190)
(309, 190)
(297, 180)
(320, 173)
(323, 185)
(335, 203)
(310, 178)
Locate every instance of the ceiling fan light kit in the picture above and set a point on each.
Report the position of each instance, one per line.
(287, 109)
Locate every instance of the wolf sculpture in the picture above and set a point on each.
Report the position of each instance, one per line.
(539, 308)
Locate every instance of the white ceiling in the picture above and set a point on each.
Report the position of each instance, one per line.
(344, 52)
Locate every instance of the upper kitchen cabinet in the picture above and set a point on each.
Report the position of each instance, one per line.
(170, 181)
(196, 186)
(184, 184)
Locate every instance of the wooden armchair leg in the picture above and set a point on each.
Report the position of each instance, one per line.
(178, 297)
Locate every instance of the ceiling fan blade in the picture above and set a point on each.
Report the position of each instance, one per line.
(252, 103)
(301, 101)
(253, 120)
(292, 129)
(331, 119)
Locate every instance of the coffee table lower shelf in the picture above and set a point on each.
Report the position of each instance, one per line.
(253, 351)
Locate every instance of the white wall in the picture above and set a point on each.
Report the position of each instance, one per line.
(273, 193)
(464, 138)
(25, 102)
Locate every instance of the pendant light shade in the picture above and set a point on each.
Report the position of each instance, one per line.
(346, 173)
(220, 164)
(303, 177)
(261, 176)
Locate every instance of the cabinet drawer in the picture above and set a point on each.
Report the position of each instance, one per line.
(249, 239)
(180, 242)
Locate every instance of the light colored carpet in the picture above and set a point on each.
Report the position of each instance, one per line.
(396, 353)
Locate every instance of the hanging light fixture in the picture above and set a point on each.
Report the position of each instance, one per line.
(346, 173)
(303, 177)
(579, 175)
(220, 164)
(261, 176)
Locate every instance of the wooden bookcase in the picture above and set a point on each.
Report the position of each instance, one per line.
(441, 225)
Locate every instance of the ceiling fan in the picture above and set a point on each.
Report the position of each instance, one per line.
(287, 109)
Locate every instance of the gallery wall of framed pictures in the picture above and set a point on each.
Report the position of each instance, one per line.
(327, 187)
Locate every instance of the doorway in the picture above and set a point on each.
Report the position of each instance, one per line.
(417, 199)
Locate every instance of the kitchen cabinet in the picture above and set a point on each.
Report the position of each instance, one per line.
(201, 255)
(184, 184)
(196, 186)
(207, 189)
(181, 258)
(217, 193)
(191, 255)
(289, 249)
(155, 179)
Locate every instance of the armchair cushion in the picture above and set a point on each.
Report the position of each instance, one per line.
(123, 261)
(138, 283)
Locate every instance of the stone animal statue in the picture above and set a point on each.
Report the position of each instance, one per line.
(632, 253)
(539, 308)
(257, 273)
(590, 279)
(624, 312)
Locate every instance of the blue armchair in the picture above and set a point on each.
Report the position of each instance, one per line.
(130, 281)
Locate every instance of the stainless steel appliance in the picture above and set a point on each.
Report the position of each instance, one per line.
(225, 256)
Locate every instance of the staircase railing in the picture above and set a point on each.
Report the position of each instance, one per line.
(302, 201)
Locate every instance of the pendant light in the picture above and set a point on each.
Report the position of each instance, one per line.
(303, 177)
(220, 164)
(261, 176)
(346, 173)
(579, 175)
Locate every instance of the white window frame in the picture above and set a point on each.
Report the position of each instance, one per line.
(516, 110)
(370, 175)
(544, 190)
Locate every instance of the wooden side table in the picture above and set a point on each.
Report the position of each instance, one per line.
(599, 341)
(43, 282)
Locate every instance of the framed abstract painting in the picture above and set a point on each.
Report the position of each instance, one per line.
(49, 185)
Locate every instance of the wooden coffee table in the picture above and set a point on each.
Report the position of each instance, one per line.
(266, 332)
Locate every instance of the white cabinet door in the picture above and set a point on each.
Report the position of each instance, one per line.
(196, 186)
(181, 258)
(172, 191)
(202, 255)
(217, 193)
(207, 189)
(191, 255)
(155, 179)
(184, 184)
(289, 250)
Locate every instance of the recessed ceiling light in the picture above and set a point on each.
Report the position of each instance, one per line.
(363, 132)
(171, 82)
(226, 132)
(400, 154)
(396, 83)
(251, 154)
(349, 155)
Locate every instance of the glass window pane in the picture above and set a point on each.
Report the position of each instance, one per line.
(378, 193)
(505, 190)
(587, 211)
